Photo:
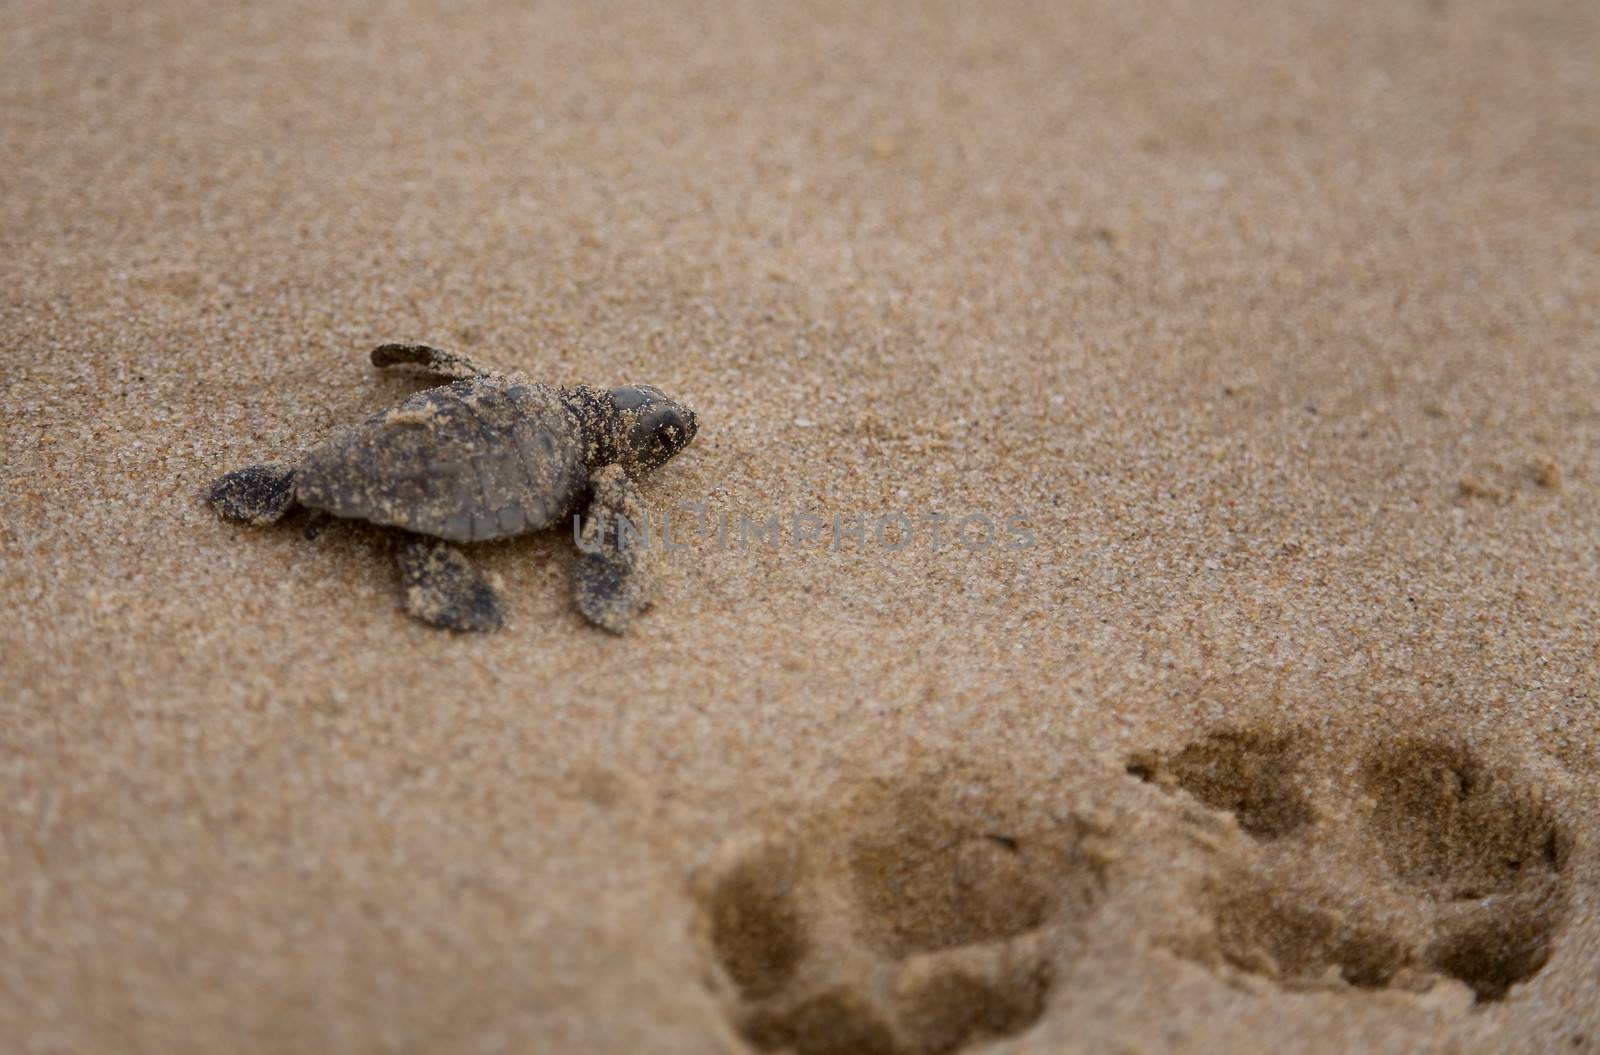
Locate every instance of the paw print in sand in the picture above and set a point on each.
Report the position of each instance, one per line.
(1245, 773)
(913, 919)
(1481, 848)
(1459, 863)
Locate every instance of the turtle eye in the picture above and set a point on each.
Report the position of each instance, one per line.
(676, 430)
(670, 425)
(660, 430)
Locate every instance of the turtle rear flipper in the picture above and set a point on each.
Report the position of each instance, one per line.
(257, 494)
(443, 588)
(424, 359)
(617, 567)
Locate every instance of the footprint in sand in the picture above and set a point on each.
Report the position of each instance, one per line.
(913, 919)
(1248, 774)
(1482, 849)
(1462, 863)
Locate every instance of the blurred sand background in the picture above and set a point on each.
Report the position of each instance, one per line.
(1278, 322)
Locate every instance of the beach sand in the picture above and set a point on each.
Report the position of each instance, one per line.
(1274, 325)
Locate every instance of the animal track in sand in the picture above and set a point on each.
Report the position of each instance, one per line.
(1463, 860)
(1483, 848)
(756, 925)
(911, 919)
(1247, 774)
(1456, 829)
(1299, 937)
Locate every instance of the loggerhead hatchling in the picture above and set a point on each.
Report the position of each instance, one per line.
(487, 456)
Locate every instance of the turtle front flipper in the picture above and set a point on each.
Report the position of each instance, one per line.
(420, 358)
(616, 563)
(257, 494)
(443, 589)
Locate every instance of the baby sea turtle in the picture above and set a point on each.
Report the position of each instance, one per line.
(487, 456)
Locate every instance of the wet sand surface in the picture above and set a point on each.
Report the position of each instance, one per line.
(1276, 327)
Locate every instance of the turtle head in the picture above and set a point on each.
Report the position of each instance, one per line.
(646, 427)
